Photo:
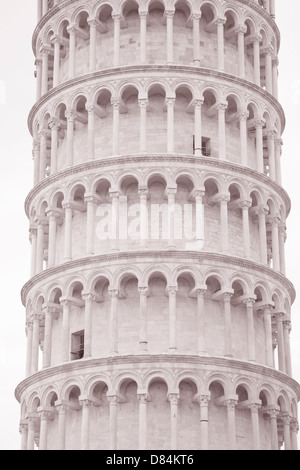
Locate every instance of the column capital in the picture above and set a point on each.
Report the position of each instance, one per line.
(225, 198)
(113, 293)
(259, 123)
(198, 193)
(113, 399)
(143, 398)
(65, 302)
(70, 116)
(171, 291)
(286, 418)
(246, 204)
(243, 115)
(173, 398)
(143, 191)
(287, 324)
(54, 124)
(221, 106)
(220, 21)
(271, 133)
(143, 102)
(241, 29)
(227, 296)
(196, 16)
(169, 13)
(23, 427)
(36, 145)
(272, 412)
(202, 400)
(143, 14)
(117, 17)
(90, 199)
(231, 404)
(254, 407)
(249, 302)
(143, 290)
(88, 296)
(170, 101)
(67, 206)
(171, 191)
(200, 292)
(115, 102)
(72, 30)
(85, 403)
(90, 108)
(92, 23)
(198, 102)
(114, 194)
(294, 425)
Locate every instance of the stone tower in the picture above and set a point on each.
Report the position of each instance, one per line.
(158, 312)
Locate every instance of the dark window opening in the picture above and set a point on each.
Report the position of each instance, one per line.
(205, 146)
(77, 345)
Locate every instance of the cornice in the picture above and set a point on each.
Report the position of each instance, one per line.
(56, 9)
(158, 158)
(193, 256)
(199, 72)
(159, 360)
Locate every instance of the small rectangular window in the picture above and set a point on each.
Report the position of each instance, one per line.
(206, 147)
(77, 345)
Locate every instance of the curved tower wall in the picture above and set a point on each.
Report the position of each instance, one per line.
(158, 298)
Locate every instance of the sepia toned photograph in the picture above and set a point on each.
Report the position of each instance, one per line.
(150, 245)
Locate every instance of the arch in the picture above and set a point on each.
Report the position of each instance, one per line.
(190, 270)
(124, 378)
(76, 282)
(69, 385)
(158, 375)
(102, 379)
(189, 376)
(124, 273)
(153, 270)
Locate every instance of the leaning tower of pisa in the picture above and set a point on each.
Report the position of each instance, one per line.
(158, 311)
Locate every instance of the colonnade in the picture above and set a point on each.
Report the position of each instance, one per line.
(264, 55)
(46, 226)
(43, 6)
(49, 137)
(51, 312)
(46, 414)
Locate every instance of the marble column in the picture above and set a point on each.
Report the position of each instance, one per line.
(170, 124)
(93, 45)
(241, 30)
(245, 206)
(143, 400)
(65, 333)
(221, 108)
(88, 323)
(143, 337)
(172, 319)
(91, 132)
(143, 103)
(29, 333)
(287, 347)
(267, 313)
(230, 405)
(273, 413)
(90, 224)
(117, 27)
(170, 39)
(85, 424)
(220, 35)
(198, 127)
(201, 322)
(68, 232)
(143, 36)
(249, 303)
(23, 430)
(227, 326)
(259, 124)
(113, 415)
(254, 407)
(70, 116)
(113, 328)
(243, 116)
(54, 126)
(173, 399)
(196, 38)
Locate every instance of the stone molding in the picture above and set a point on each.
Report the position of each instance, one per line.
(132, 70)
(162, 159)
(204, 364)
(58, 9)
(193, 256)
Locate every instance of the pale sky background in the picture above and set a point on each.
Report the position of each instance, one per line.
(17, 96)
